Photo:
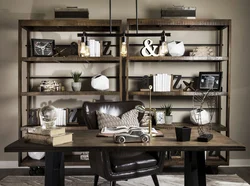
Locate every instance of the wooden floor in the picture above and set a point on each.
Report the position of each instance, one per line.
(243, 172)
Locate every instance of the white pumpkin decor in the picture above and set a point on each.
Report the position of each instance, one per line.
(200, 117)
(176, 48)
(100, 82)
(36, 155)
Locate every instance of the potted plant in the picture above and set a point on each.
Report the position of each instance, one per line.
(168, 112)
(76, 85)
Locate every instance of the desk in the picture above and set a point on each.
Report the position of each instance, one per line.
(87, 140)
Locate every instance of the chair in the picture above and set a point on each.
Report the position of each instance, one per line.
(120, 165)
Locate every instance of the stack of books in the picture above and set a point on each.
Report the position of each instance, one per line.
(53, 136)
(162, 82)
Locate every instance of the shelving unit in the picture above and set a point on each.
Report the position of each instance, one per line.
(26, 62)
(220, 62)
(220, 32)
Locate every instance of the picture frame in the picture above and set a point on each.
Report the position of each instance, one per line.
(210, 80)
(43, 47)
(160, 117)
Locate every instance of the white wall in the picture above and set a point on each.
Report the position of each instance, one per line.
(13, 10)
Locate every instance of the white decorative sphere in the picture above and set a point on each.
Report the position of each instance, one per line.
(36, 155)
(100, 82)
(176, 48)
(199, 117)
(48, 115)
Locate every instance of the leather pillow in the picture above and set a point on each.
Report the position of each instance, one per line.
(128, 119)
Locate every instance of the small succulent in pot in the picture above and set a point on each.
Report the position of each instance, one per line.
(76, 75)
(76, 85)
(168, 109)
(168, 112)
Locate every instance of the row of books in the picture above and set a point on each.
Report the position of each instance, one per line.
(53, 136)
(94, 48)
(162, 82)
(61, 117)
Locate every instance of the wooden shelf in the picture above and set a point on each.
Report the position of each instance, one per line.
(178, 59)
(69, 160)
(71, 59)
(171, 93)
(214, 161)
(63, 25)
(72, 93)
(217, 127)
(179, 24)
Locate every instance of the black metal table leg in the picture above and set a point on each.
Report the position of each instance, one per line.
(195, 173)
(54, 169)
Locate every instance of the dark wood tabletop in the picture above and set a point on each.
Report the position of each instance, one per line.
(87, 140)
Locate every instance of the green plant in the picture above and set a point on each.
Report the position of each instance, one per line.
(168, 109)
(76, 75)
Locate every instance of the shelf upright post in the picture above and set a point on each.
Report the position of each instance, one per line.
(19, 86)
(229, 39)
(127, 64)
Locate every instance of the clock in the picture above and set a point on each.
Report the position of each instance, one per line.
(43, 47)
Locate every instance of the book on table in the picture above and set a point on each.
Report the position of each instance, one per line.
(119, 129)
(47, 139)
(47, 132)
(110, 131)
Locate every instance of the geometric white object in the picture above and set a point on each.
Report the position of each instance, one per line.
(176, 48)
(199, 117)
(36, 155)
(100, 82)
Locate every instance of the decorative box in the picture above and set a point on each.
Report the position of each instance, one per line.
(179, 12)
(71, 12)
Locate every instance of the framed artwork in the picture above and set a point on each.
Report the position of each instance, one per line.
(43, 47)
(210, 80)
(160, 117)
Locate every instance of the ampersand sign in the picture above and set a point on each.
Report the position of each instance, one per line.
(148, 49)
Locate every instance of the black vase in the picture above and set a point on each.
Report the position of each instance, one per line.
(182, 133)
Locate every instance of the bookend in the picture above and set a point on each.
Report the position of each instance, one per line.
(205, 137)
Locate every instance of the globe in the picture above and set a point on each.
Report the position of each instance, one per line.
(48, 116)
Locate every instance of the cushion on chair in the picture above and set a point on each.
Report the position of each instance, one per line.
(140, 161)
(129, 119)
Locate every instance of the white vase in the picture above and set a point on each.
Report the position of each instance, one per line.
(76, 86)
(176, 48)
(169, 119)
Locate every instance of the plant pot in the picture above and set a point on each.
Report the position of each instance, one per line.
(169, 119)
(76, 86)
(182, 133)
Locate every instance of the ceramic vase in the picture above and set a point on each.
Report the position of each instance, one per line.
(176, 48)
(76, 86)
(169, 119)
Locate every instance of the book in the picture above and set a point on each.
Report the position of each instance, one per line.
(49, 140)
(109, 132)
(47, 132)
(120, 129)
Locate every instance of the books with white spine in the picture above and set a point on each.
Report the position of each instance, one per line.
(92, 47)
(61, 117)
(97, 49)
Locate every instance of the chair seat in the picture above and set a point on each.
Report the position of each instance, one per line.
(141, 161)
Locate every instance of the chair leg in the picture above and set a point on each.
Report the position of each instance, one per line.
(96, 180)
(112, 183)
(155, 179)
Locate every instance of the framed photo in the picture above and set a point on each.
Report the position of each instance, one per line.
(210, 80)
(160, 117)
(43, 47)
